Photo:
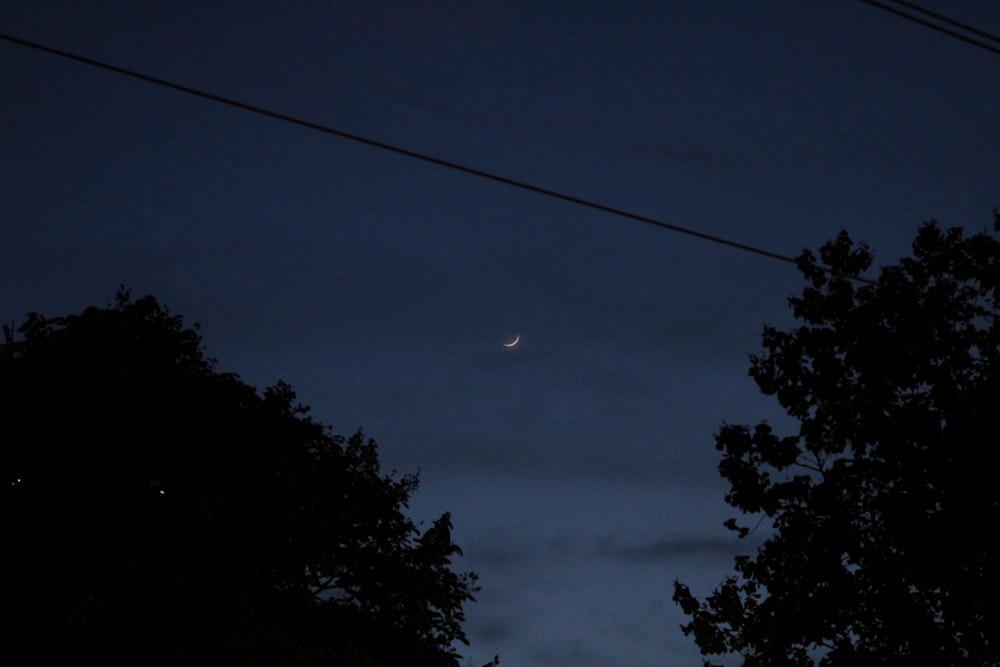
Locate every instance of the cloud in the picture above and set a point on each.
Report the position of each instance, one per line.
(574, 652)
(506, 552)
(494, 629)
(664, 549)
(546, 129)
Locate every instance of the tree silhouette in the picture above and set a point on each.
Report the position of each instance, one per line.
(158, 512)
(884, 505)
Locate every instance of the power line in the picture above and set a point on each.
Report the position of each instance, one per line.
(937, 26)
(941, 17)
(523, 185)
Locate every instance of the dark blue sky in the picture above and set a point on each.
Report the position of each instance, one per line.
(579, 467)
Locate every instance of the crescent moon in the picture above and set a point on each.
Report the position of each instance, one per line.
(513, 342)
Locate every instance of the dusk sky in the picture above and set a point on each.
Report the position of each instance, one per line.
(579, 466)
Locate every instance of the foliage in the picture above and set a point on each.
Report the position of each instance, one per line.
(884, 505)
(158, 512)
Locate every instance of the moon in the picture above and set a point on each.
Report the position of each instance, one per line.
(513, 342)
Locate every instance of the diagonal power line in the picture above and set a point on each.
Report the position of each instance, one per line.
(423, 157)
(942, 19)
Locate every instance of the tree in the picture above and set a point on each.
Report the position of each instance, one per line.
(883, 507)
(158, 512)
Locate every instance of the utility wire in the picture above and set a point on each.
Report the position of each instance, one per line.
(941, 17)
(408, 153)
(940, 28)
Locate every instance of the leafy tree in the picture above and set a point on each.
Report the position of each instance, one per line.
(885, 504)
(158, 512)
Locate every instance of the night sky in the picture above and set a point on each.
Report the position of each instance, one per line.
(579, 466)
